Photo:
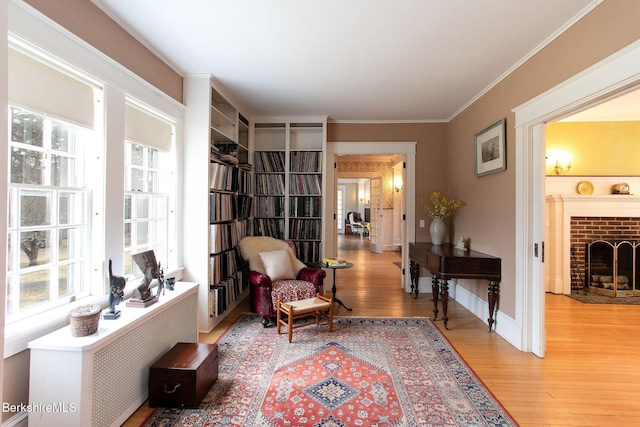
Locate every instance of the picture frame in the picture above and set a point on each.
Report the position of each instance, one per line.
(490, 149)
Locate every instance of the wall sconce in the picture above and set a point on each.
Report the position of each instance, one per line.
(560, 160)
(397, 183)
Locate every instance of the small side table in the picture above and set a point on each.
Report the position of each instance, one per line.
(333, 289)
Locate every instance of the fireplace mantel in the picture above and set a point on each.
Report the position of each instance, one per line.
(560, 209)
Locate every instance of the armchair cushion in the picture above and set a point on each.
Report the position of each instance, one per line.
(251, 246)
(277, 265)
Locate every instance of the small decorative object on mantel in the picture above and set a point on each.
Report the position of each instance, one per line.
(116, 284)
(461, 245)
(142, 296)
(585, 187)
(621, 188)
(85, 320)
(439, 207)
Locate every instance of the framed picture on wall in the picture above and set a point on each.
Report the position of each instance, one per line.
(490, 149)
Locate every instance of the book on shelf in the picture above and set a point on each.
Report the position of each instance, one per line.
(334, 262)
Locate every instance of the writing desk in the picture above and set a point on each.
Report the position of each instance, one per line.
(446, 262)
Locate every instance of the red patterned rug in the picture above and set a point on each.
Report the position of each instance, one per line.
(368, 372)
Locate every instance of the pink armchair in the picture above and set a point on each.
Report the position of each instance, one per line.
(275, 273)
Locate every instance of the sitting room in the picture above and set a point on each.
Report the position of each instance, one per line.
(181, 174)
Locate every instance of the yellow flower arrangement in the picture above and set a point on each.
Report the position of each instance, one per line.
(437, 205)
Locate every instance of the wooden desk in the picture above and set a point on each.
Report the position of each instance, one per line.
(446, 262)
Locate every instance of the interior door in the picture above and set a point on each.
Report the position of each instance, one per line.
(375, 226)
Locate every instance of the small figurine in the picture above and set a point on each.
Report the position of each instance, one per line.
(153, 276)
(117, 284)
(461, 244)
(171, 283)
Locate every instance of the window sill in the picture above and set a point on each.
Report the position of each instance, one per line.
(17, 335)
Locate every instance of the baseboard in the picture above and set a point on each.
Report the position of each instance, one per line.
(504, 325)
(21, 419)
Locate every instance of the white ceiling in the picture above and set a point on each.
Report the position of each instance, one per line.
(356, 60)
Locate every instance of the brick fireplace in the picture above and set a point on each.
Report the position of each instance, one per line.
(573, 220)
(588, 229)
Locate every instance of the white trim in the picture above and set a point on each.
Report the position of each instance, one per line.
(29, 27)
(504, 325)
(20, 419)
(137, 36)
(613, 74)
(387, 121)
(541, 46)
(40, 32)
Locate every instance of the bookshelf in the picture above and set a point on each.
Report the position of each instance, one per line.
(217, 197)
(289, 182)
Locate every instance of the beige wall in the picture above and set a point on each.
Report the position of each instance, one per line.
(431, 154)
(489, 218)
(88, 22)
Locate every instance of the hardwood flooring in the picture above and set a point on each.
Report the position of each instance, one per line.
(589, 377)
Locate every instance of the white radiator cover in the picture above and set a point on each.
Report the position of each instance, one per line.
(100, 380)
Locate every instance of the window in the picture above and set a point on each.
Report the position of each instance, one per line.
(145, 205)
(48, 213)
(147, 186)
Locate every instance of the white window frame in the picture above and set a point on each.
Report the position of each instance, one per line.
(35, 30)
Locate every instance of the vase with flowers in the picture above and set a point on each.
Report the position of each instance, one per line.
(439, 207)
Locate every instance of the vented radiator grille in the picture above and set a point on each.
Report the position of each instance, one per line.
(121, 369)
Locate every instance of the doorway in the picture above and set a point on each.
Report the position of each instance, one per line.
(336, 150)
(608, 78)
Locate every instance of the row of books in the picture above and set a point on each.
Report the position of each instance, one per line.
(224, 293)
(269, 227)
(305, 206)
(244, 206)
(224, 236)
(269, 206)
(305, 229)
(223, 266)
(223, 177)
(305, 184)
(308, 252)
(244, 182)
(222, 207)
(269, 161)
(269, 184)
(306, 161)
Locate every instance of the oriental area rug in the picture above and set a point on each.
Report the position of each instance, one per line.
(367, 372)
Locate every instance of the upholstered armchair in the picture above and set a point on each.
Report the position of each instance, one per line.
(275, 273)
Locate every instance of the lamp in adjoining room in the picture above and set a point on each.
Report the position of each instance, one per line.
(560, 160)
(397, 183)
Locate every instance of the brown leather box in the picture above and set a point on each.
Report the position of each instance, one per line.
(183, 376)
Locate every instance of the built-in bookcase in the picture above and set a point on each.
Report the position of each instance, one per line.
(290, 182)
(217, 197)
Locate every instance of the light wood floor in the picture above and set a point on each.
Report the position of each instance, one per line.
(589, 377)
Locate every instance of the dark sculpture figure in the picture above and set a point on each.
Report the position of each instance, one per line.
(153, 275)
(116, 284)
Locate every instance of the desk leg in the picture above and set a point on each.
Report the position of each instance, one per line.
(492, 298)
(414, 272)
(333, 291)
(445, 302)
(435, 291)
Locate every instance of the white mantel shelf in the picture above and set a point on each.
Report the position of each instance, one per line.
(560, 210)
